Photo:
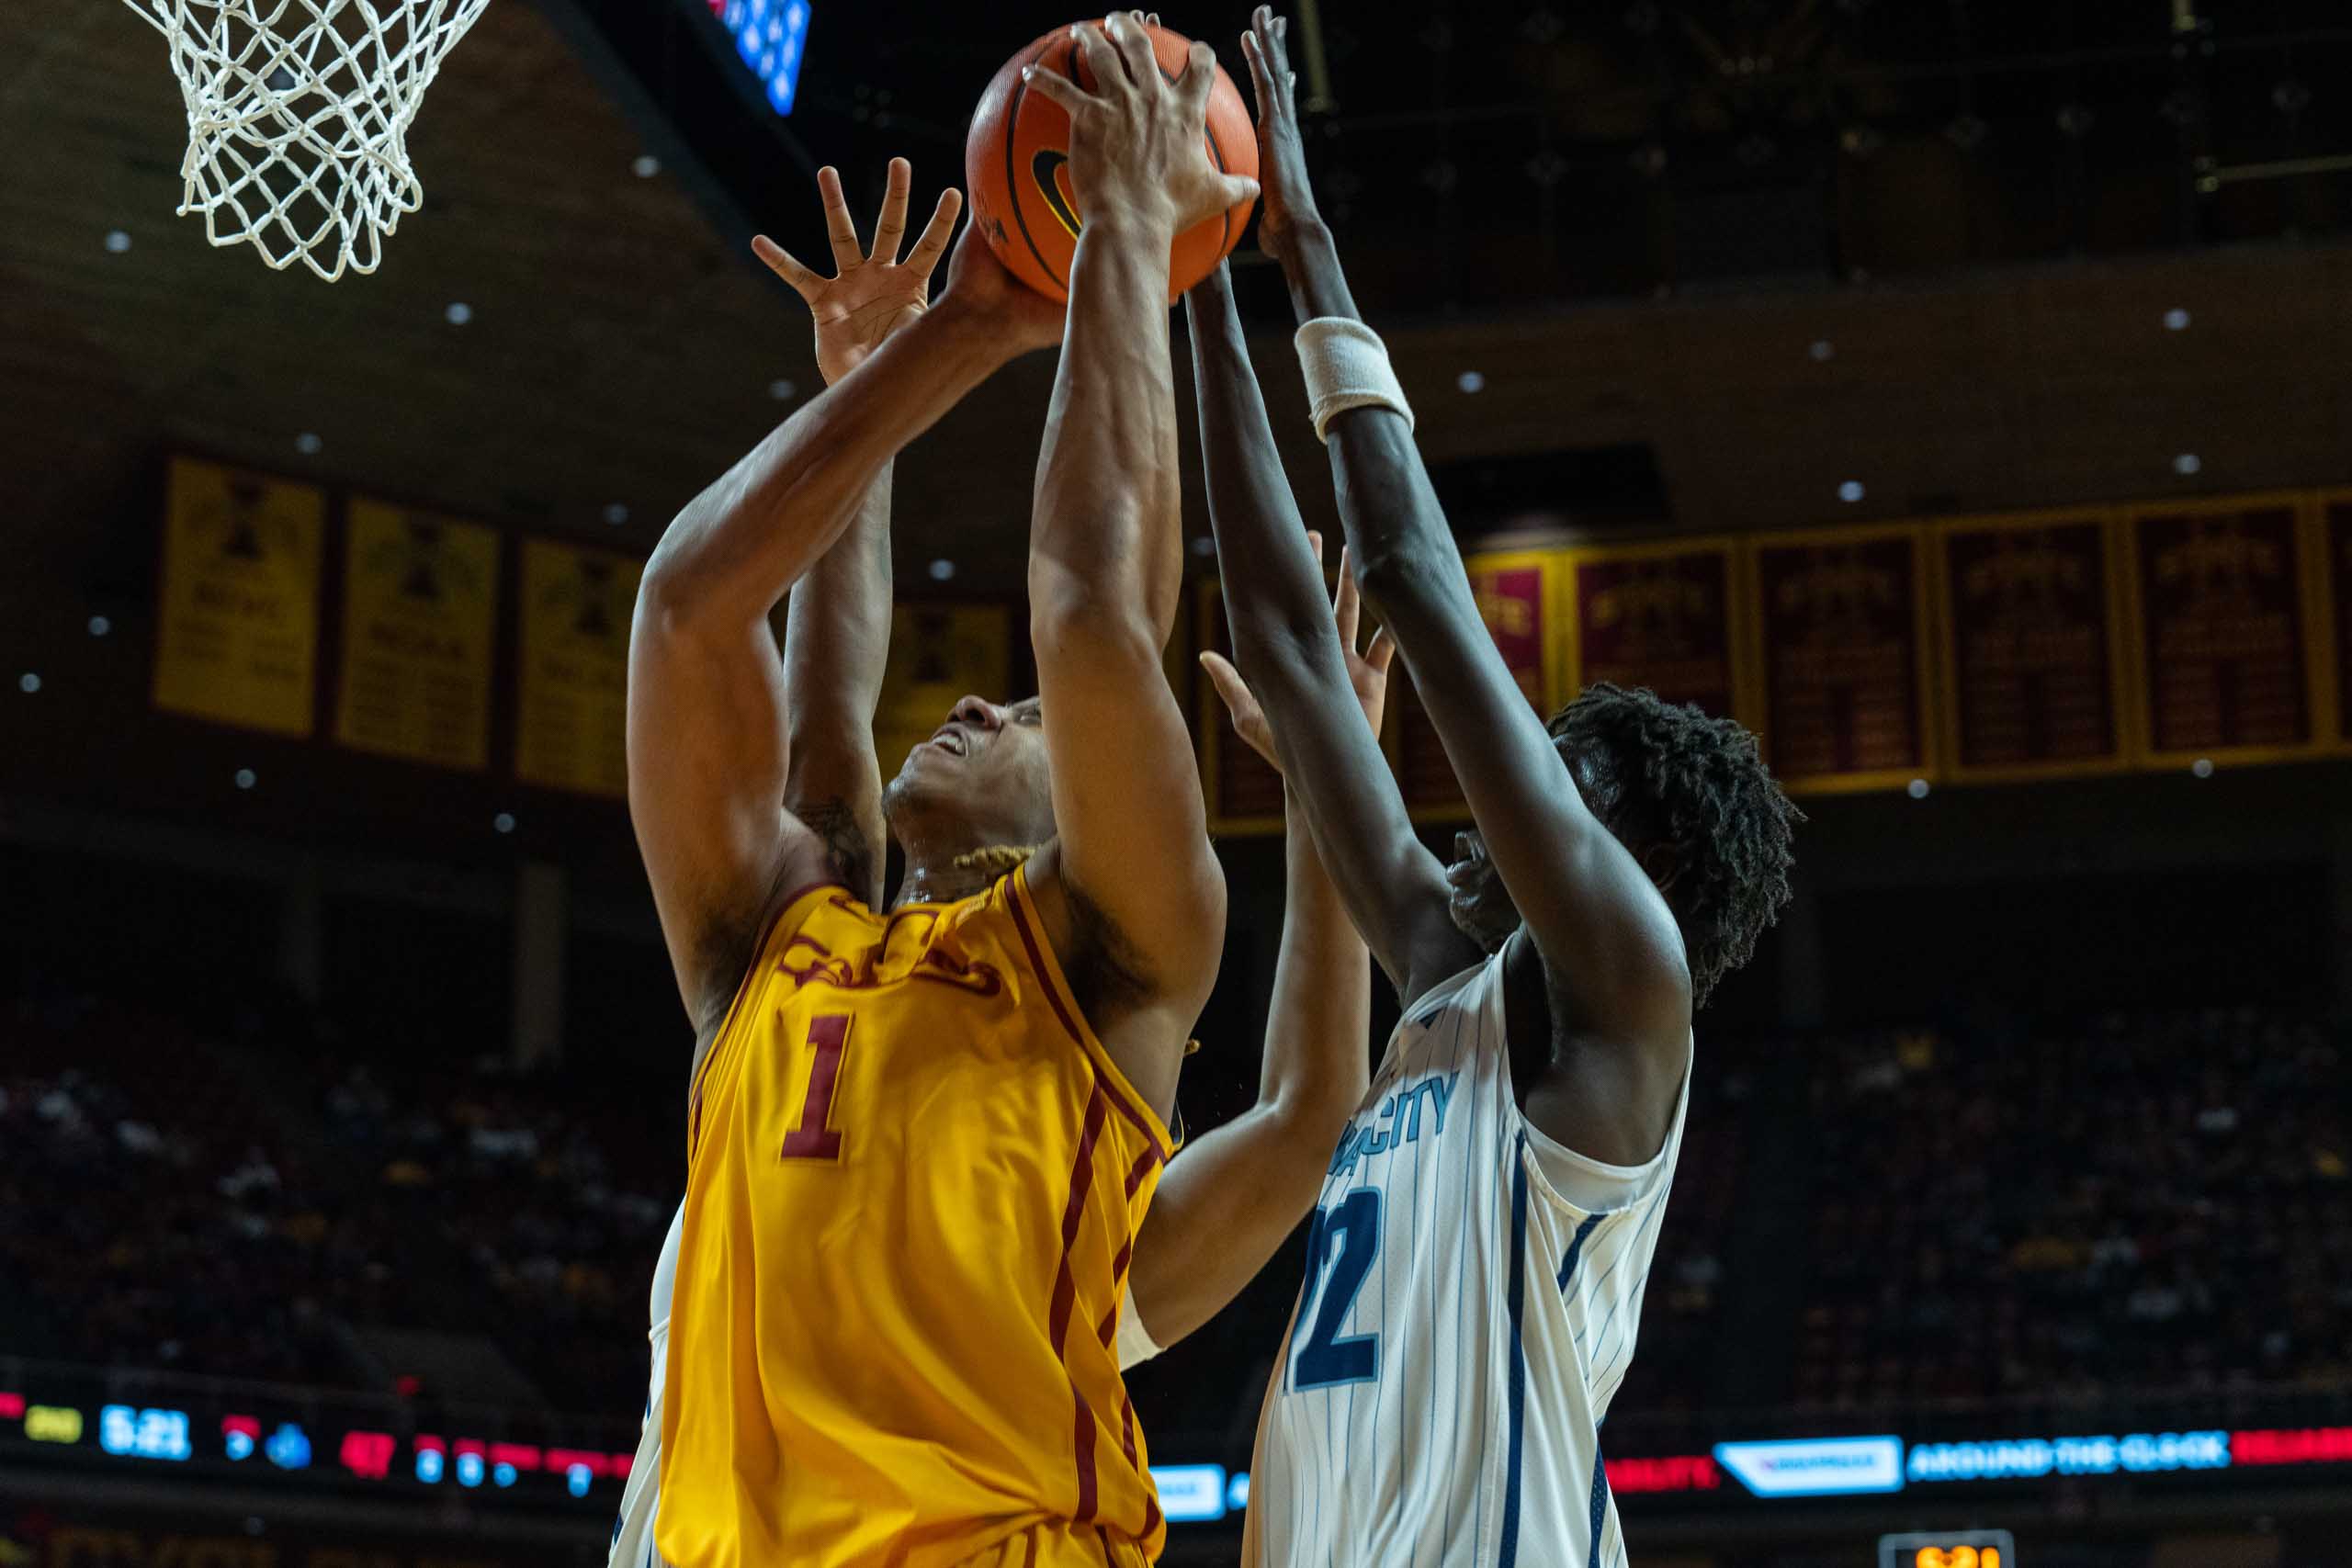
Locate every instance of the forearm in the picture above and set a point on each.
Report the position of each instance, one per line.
(1103, 532)
(1387, 506)
(1319, 1016)
(737, 548)
(836, 644)
(1230, 1198)
(1275, 591)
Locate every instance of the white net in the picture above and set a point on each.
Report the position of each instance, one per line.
(298, 117)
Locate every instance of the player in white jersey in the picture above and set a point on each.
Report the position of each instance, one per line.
(1475, 1265)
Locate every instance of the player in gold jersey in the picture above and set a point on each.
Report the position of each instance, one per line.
(922, 1142)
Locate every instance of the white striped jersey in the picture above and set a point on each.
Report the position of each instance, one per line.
(1471, 1298)
(633, 1532)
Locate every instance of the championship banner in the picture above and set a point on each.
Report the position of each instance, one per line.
(572, 724)
(1841, 638)
(237, 623)
(1655, 616)
(1245, 794)
(2335, 525)
(1514, 593)
(2034, 647)
(939, 654)
(420, 626)
(2221, 631)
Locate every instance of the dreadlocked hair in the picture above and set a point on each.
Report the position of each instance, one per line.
(995, 858)
(1701, 784)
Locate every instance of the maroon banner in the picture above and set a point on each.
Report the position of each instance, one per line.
(2030, 661)
(1840, 627)
(1510, 593)
(1243, 794)
(1656, 616)
(2220, 619)
(2337, 540)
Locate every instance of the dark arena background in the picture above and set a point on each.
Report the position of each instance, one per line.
(1955, 392)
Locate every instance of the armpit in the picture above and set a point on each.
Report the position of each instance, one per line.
(1108, 976)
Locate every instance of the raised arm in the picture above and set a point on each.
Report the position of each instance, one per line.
(1607, 940)
(1283, 637)
(708, 750)
(1131, 885)
(837, 622)
(1227, 1201)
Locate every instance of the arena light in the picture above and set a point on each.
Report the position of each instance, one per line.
(2202, 768)
(1815, 1467)
(118, 241)
(782, 391)
(1916, 789)
(28, 683)
(646, 166)
(131, 1433)
(2293, 1445)
(616, 512)
(1471, 381)
(1850, 490)
(1823, 350)
(307, 443)
(100, 626)
(52, 1424)
(771, 37)
(2187, 463)
(239, 1436)
(2176, 320)
(458, 313)
(1190, 1494)
(942, 570)
(1675, 1473)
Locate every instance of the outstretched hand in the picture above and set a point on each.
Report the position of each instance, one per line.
(872, 293)
(1137, 142)
(1367, 670)
(1289, 198)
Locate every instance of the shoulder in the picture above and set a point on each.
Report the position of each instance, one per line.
(806, 882)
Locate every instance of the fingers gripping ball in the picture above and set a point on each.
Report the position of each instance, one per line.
(1016, 165)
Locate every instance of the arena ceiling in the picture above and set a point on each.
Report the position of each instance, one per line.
(1550, 198)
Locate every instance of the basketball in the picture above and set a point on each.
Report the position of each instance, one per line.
(1016, 168)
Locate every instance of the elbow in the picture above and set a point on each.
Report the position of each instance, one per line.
(1403, 570)
(1069, 622)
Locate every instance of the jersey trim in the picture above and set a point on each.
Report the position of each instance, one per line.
(1509, 1554)
(774, 924)
(1048, 969)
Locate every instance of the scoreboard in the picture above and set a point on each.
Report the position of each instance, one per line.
(1948, 1549)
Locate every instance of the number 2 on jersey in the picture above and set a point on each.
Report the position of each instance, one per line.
(813, 1139)
(1346, 1236)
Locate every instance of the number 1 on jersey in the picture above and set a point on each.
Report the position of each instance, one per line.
(1347, 1236)
(813, 1139)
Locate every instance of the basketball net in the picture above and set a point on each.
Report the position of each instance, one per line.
(298, 117)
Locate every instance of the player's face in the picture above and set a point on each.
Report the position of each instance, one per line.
(987, 766)
(1475, 894)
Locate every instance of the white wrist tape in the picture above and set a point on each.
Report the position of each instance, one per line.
(1346, 366)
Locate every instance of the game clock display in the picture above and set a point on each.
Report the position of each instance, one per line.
(1948, 1549)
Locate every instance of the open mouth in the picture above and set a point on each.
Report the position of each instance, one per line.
(952, 740)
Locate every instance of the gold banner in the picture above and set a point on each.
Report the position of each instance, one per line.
(572, 725)
(237, 626)
(2222, 628)
(938, 654)
(420, 623)
(1840, 629)
(1516, 592)
(2033, 646)
(1663, 616)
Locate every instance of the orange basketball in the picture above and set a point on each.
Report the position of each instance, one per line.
(1016, 168)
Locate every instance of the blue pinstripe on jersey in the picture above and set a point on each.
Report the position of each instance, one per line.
(1509, 1553)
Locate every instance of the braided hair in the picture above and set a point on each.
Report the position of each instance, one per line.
(1666, 772)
